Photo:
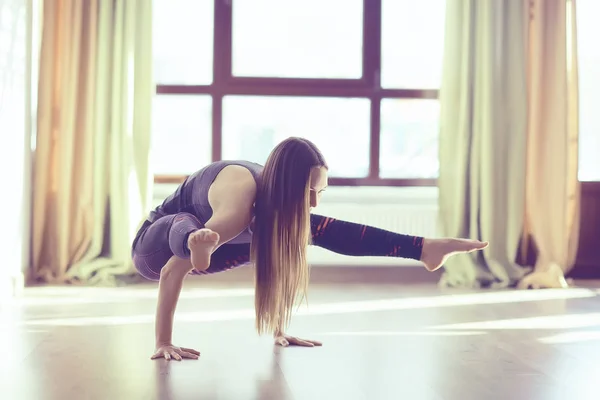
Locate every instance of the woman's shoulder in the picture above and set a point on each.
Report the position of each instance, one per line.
(235, 174)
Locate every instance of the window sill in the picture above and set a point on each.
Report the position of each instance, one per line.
(424, 195)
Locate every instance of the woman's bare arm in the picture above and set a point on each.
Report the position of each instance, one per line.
(169, 289)
(231, 197)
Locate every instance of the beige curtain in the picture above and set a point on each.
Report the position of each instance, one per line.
(552, 202)
(91, 174)
(508, 149)
(483, 138)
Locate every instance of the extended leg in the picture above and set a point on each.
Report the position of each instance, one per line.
(362, 240)
(354, 239)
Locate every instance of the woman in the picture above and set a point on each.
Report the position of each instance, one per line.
(234, 212)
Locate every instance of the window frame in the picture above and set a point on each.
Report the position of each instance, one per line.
(368, 86)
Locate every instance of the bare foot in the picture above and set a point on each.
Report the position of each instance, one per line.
(437, 251)
(201, 244)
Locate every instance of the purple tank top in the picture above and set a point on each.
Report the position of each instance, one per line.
(192, 195)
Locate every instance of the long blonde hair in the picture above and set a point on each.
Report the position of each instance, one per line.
(282, 232)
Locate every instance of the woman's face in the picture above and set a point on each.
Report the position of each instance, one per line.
(318, 183)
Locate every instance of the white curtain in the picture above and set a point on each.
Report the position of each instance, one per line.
(16, 54)
(483, 138)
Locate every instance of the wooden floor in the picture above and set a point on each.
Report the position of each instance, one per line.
(380, 342)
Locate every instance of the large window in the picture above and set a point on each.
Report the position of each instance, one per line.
(360, 78)
(588, 50)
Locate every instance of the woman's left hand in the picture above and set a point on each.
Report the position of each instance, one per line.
(286, 340)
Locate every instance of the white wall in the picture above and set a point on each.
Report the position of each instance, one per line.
(15, 132)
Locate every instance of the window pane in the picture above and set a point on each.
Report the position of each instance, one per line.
(409, 139)
(298, 39)
(589, 89)
(252, 126)
(412, 43)
(183, 42)
(181, 134)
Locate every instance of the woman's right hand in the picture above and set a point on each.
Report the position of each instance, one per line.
(168, 351)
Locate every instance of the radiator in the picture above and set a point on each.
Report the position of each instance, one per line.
(412, 211)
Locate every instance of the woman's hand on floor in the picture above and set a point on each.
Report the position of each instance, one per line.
(169, 352)
(286, 340)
